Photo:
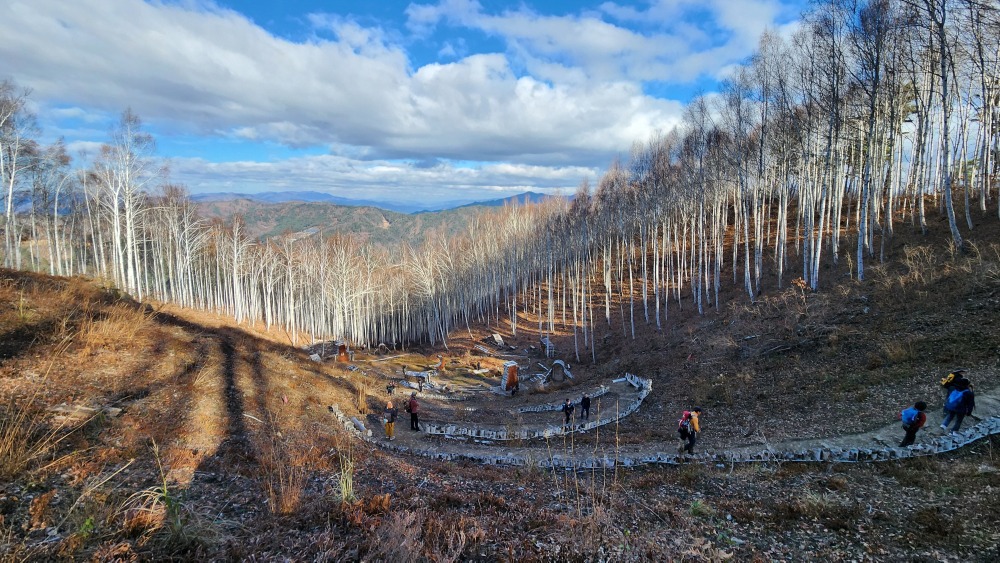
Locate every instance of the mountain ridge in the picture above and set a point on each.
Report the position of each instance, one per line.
(307, 196)
(370, 223)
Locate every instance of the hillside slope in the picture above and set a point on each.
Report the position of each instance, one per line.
(224, 448)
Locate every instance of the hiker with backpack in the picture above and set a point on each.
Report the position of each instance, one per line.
(688, 427)
(913, 419)
(961, 402)
(585, 407)
(389, 417)
(950, 382)
(413, 407)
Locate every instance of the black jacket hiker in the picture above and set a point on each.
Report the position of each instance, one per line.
(567, 409)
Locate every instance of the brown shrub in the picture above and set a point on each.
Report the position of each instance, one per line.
(40, 511)
(833, 511)
(447, 537)
(378, 504)
(935, 523)
(447, 500)
(116, 551)
(398, 537)
(836, 483)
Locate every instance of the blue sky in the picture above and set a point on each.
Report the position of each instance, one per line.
(389, 100)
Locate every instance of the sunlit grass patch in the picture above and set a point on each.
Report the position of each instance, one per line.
(114, 328)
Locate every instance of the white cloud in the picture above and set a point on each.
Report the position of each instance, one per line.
(565, 96)
(603, 51)
(77, 113)
(83, 147)
(670, 40)
(448, 51)
(422, 17)
(211, 70)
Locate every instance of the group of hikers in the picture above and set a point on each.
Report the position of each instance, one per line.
(688, 427)
(959, 402)
(391, 413)
(568, 408)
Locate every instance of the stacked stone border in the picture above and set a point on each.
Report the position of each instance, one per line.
(938, 445)
(503, 433)
(600, 391)
(547, 407)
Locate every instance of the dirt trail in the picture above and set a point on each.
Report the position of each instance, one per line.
(585, 449)
(987, 406)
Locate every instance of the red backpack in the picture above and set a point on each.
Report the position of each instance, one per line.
(685, 422)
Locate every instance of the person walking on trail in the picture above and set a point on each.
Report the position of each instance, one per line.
(567, 409)
(585, 407)
(413, 407)
(913, 420)
(389, 416)
(951, 382)
(688, 427)
(961, 402)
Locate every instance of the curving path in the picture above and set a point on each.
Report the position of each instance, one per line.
(595, 448)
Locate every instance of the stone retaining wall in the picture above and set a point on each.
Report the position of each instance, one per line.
(503, 433)
(602, 390)
(938, 445)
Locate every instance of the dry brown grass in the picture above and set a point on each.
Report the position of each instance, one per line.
(899, 351)
(398, 537)
(834, 510)
(26, 436)
(345, 478)
(936, 523)
(448, 537)
(923, 265)
(19, 444)
(114, 327)
(159, 514)
(363, 385)
(283, 466)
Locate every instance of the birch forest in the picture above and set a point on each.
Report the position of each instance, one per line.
(873, 116)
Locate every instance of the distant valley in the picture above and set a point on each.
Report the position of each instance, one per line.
(321, 197)
(272, 214)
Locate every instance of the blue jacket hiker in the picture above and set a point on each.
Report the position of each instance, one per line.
(960, 404)
(951, 382)
(913, 419)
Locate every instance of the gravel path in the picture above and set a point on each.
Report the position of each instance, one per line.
(597, 447)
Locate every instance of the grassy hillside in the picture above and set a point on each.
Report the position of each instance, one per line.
(140, 431)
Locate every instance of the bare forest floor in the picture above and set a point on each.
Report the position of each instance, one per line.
(183, 436)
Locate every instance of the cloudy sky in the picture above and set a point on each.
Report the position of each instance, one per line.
(389, 100)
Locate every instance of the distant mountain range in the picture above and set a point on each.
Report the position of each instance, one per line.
(321, 197)
(305, 214)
